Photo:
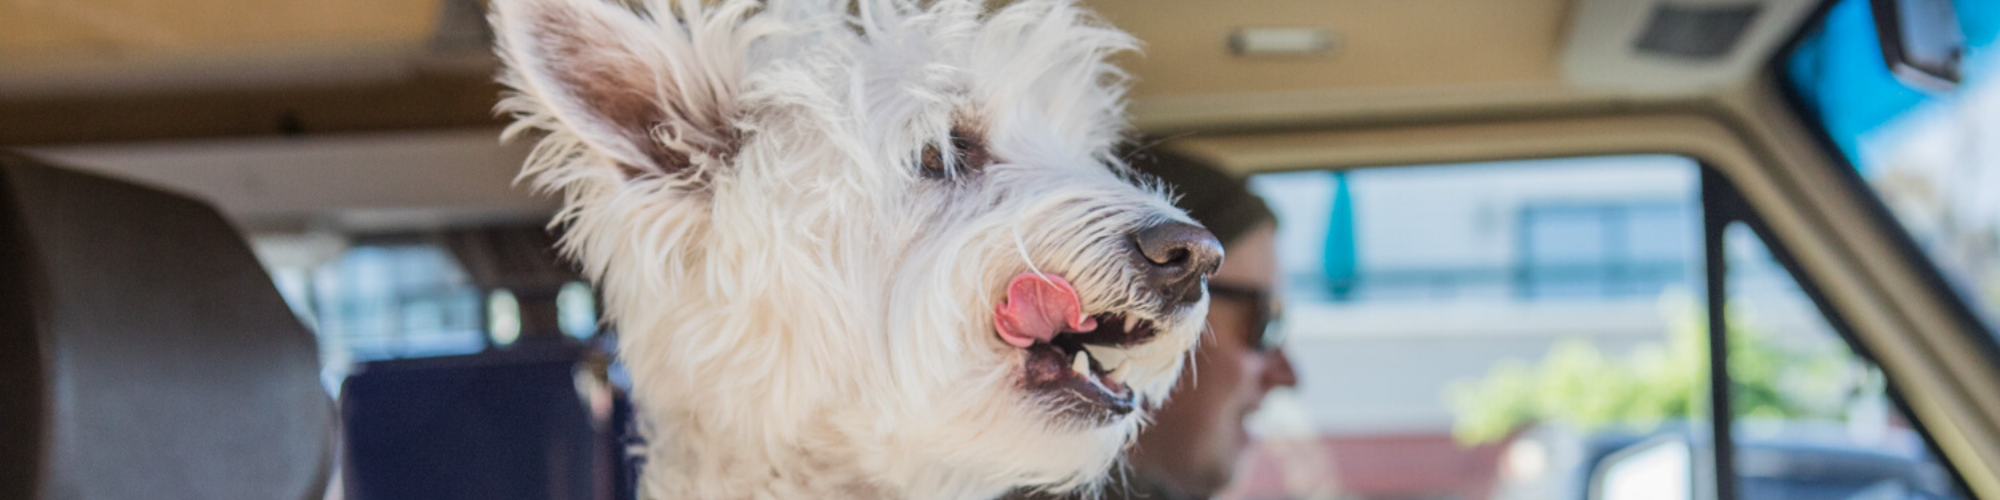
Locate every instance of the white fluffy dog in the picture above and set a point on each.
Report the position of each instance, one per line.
(860, 251)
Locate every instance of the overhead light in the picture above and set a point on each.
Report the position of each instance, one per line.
(1273, 41)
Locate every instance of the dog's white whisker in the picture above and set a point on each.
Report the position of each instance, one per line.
(1026, 260)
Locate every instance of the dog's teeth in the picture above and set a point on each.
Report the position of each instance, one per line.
(1117, 374)
(1081, 364)
(1131, 323)
(1107, 357)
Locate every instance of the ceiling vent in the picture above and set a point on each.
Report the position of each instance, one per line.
(1699, 32)
(1681, 47)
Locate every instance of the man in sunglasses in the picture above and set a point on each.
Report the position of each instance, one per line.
(1192, 448)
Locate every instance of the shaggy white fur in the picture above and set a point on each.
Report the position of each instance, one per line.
(801, 216)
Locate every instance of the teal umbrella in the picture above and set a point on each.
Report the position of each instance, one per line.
(1340, 264)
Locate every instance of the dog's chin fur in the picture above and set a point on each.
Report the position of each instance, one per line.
(805, 310)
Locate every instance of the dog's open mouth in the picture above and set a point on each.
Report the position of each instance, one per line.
(1076, 358)
(1089, 366)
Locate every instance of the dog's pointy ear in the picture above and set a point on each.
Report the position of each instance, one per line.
(654, 93)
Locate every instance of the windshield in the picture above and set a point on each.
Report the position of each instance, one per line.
(1933, 156)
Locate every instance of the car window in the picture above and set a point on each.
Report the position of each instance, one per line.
(1933, 157)
(1810, 418)
(373, 300)
(395, 300)
(1480, 331)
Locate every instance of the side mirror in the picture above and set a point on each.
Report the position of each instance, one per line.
(1921, 41)
(1661, 468)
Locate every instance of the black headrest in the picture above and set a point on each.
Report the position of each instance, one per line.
(143, 351)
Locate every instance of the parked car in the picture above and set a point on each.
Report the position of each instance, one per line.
(1783, 461)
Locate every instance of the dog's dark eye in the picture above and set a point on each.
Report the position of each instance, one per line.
(968, 151)
(933, 162)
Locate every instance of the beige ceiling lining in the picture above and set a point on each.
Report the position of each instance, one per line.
(320, 67)
(1396, 60)
(34, 30)
(444, 176)
(1441, 143)
(1213, 113)
(1380, 43)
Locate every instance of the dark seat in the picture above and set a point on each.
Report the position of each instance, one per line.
(144, 354)
(501, 425)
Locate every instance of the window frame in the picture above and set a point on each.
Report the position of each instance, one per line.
(1787, 115)
(1848, 176)
(1946, 375)
(1721, 206)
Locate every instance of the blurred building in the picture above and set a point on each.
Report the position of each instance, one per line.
(1402, 281)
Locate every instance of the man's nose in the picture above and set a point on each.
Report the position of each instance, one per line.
(1278, 371)
(1176, 259)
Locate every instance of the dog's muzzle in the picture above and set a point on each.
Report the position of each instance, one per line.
(1082, 359)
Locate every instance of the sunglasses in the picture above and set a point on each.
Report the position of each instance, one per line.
(1267, 334)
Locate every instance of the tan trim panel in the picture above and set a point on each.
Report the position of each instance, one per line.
(423, 101)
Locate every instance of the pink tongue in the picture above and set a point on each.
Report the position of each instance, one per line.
(1038, 306)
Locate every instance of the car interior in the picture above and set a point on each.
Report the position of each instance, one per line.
(1529, 249)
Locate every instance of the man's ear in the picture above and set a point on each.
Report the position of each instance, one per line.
(654, 93)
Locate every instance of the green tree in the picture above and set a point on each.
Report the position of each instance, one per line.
(1577, 385)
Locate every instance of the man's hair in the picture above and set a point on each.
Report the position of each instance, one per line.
(1216, 199)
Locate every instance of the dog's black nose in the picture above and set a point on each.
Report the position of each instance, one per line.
(1178, 257)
